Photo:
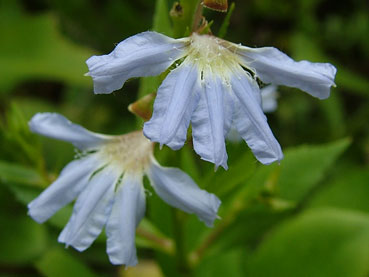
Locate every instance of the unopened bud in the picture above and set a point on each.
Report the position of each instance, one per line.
(217, 5)
(143, 106)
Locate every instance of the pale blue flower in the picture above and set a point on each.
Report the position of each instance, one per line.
(213, 85)
(106, 180)
(268, 104)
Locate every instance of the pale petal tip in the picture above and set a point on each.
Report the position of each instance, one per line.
(34, 215)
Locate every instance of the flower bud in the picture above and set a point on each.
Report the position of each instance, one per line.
(217, 5)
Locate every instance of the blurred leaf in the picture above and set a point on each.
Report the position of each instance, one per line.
(18, 174)
(349, 189)
(304, 166)
(239, 171)
(228, 263)
(34, 48)
(58, 263)
(21, 240)
(316, 243)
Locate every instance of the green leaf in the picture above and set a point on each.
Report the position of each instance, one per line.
(58, 263)
(230, 263)
(349, 189)
(21, 240)
(304, 167)
(317, 243)
(11, 173)
(34, 49)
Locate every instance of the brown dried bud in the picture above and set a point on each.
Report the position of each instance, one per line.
(217, 5)
(143, 106)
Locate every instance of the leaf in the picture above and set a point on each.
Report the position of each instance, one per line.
(18, 174)
(21, 240)
(58, 263)
(321, 242)
(229, 263)
(34, 49)
(304, 167)
(349, 189)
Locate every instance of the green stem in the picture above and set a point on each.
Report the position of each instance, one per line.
(182, 264)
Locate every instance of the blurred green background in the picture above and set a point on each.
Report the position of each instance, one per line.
(308, 216)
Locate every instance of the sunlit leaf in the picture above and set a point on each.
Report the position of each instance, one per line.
(304, 166)
(317, 243)
(35, 49)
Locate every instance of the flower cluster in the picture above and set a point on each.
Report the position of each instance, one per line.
(212, 84)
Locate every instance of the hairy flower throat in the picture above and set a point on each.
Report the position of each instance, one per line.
(131, 152)
(212, 54)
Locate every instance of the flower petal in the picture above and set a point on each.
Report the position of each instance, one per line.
(173, 107)
(210, 122)
(72, 180)
(91, 211)
(128, 210)
(273, 66)
(251, 122)
(178, 189)
(269, 98)
(56, 126)
(145, 54)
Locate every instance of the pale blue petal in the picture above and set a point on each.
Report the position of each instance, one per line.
(128, 210)
(56, 126)
(91, 211)
(178, 189)
(173, 107)
(251, 122)
(273, 66)
(72, 180)
(145, 54)
(269, 98)
(211, 121)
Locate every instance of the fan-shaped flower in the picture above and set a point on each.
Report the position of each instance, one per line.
(107, 181)
(214, 85)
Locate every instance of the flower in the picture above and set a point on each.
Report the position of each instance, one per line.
(269, 98)
(214, 85)
(268, 104)
(107, 181)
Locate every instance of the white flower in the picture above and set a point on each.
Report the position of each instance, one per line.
(268, 104)
(214, 85)
(107, 182)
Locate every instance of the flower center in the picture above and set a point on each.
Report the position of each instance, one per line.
(212, 55)
(130, 152)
